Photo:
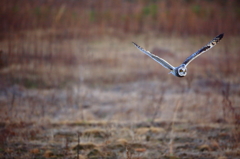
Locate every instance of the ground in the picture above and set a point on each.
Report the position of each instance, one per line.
(103, 98)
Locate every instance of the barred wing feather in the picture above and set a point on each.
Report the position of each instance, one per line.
(207, 47)
(156, 58)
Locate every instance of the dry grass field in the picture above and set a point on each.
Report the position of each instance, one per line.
(87, 92)
(105, 99)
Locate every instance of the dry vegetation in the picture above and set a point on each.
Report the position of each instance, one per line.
(73, 86)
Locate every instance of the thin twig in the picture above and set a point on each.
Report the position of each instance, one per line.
(172, 129)
(160, 100)
(78, 145)
(12, 101)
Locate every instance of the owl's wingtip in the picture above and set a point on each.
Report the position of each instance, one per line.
(221, 36)
(135, 44)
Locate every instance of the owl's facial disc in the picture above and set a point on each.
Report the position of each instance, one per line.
(182, 71)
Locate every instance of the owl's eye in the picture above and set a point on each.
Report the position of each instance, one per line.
(181, 70)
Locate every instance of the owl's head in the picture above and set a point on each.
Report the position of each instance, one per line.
(182, 70)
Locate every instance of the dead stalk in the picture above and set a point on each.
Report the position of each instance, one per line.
(189, 80)
(78, 149)
(12, 101)
(172, 136)
(66, 145)
(159, 102)
(227, 106)
(129, 155)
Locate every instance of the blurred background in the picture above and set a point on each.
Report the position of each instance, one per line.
(72, 61)
(45, 34)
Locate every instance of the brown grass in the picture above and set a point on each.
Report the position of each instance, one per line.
(182, 17)
(73, 86)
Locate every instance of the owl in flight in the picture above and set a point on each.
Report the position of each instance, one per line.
(181, 70)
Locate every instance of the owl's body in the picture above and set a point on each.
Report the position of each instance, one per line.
(181, 71)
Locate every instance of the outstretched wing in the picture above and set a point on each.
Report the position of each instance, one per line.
(207, 47)
(156, 58)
